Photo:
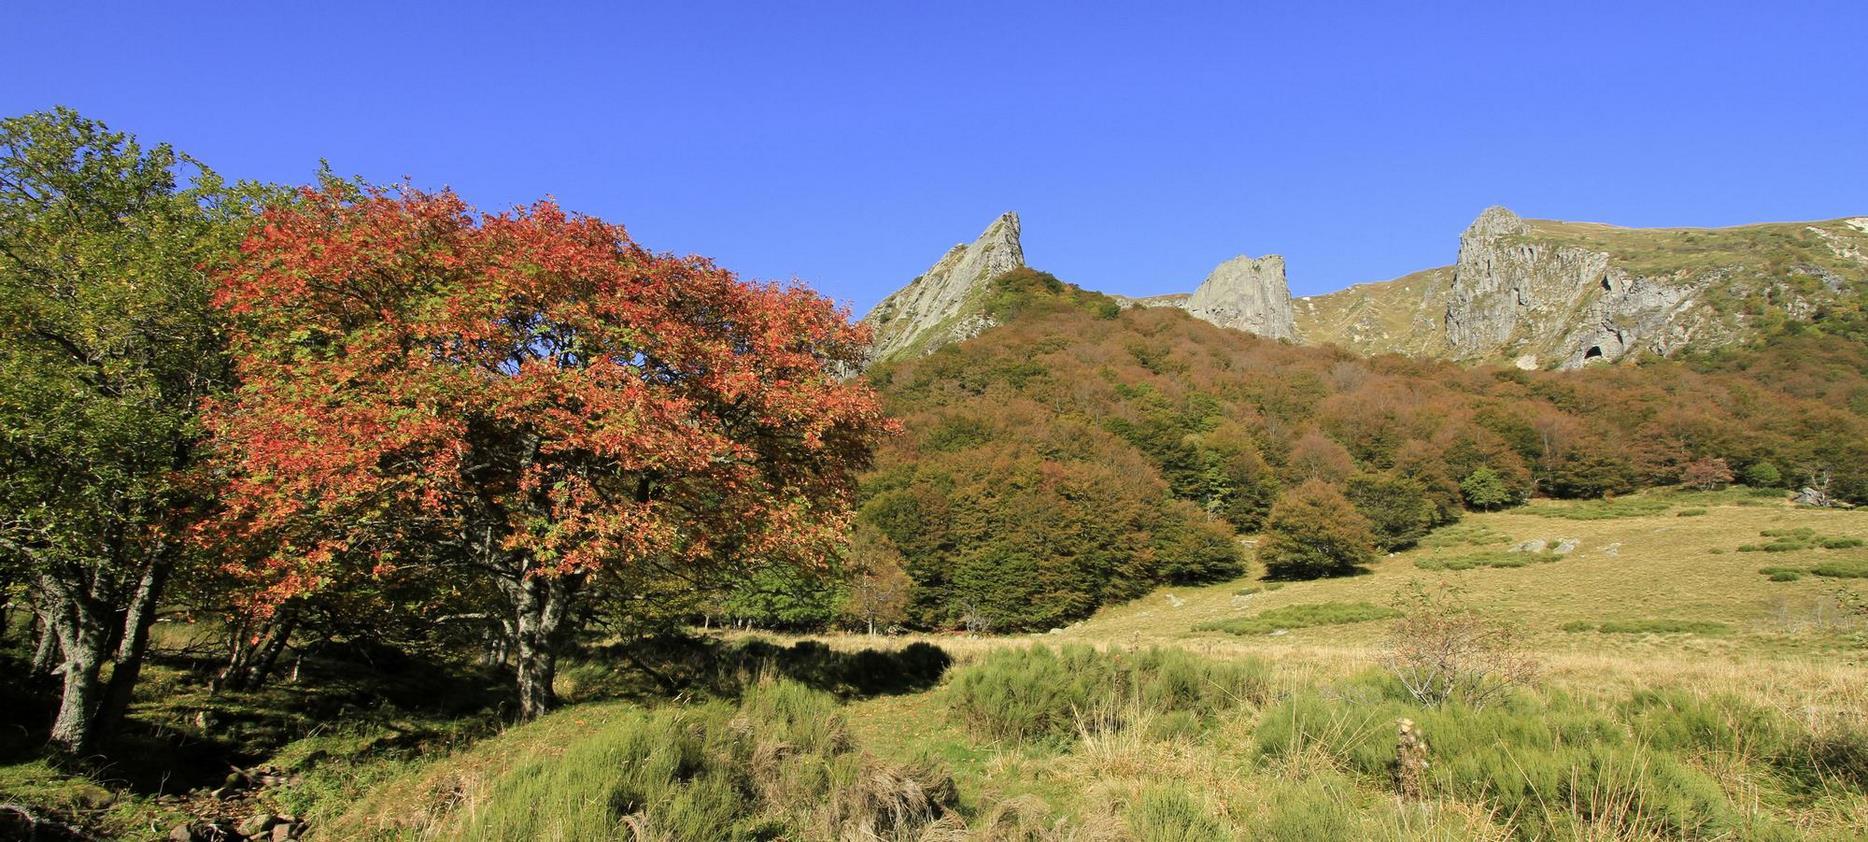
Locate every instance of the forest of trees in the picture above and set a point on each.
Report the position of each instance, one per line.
(1079, 454)
(344, 414)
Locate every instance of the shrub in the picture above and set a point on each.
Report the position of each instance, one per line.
(1302, 616)
(1042, 695)
(1694, 512)
(1782, 574)
(1313, 531)
(1397, 507)
(1444, 649)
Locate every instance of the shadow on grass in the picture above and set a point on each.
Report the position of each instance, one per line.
(688, 666)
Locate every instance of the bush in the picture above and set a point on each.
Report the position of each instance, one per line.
(1762, 475)
(1694, 512)
(1397, 507)
(1041, 695)
(1313, 531)
(1443, 649)
(1302, 616)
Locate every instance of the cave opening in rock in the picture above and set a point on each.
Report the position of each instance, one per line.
(1593, 352)
(1606, 285)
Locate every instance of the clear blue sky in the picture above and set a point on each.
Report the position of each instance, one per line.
(849, 144)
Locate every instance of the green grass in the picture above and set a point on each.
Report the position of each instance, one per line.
(1621, 507)
(1800, 539)
(1842, 569)
(1782, 574)
(1041, 695)
(1555, 767)
(1693, 512)
(1648, 626)
(1486, 559)
(1302, 616)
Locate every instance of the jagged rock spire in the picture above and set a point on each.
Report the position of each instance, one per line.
(938, 302)
(1245, 293)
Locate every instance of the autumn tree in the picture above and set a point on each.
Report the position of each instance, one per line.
(1314, 531)
(1707, 474)
(528, 397)
(107, 342)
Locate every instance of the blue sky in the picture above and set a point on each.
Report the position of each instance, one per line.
(849, 144)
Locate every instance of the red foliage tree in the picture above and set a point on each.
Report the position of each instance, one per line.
(529, 396)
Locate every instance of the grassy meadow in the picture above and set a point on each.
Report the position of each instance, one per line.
(1680, 693)
(1705, 700)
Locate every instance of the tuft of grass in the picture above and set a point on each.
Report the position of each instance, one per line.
(1486, 559)
(779, 765)
(1781, 574)
(1044, 695)
(1842, 569)
(1799, 539)
(1557, 768)
(1302, 616)
(1648, 626)
(1602, 509)
(1170, 813)
(1464, 535)
(1693, 512)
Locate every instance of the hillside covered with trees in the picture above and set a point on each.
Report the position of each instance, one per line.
(1082, 453)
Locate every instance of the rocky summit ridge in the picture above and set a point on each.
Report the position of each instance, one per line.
(1538, 293)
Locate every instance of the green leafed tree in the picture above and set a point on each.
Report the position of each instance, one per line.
(1314, 531)
(107, 344)
(1397, 507)
(1486, 491)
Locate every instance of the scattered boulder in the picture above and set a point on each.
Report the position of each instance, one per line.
(1535, 545)
(257, 824)
(1816, 498)
(1567, 546)
(1612, 550)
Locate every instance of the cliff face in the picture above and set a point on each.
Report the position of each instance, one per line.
(1560, 294)
(941, 305)
(1246, 294)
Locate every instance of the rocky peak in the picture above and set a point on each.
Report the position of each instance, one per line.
(1245, 293)
(1495, 221)
(940, 306)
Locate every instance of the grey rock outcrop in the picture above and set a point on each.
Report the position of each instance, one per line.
(941, 305)
(1245, 293)
(1515, 293)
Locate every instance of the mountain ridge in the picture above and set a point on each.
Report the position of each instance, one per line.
(1533, 292)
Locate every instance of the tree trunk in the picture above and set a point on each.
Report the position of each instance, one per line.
(82, 641)
(133, 645)
(44, 654)
(539, 607)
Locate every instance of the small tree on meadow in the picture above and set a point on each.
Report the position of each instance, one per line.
(1486, 491)
(1707, 474)
(879, 584)
(1314, 531)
